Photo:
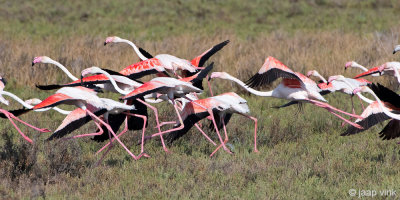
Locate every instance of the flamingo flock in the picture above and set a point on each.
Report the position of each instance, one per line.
(179, 82)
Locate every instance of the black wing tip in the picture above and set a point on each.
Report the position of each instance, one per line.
(48, 87)
(255, 81)
(145, 53)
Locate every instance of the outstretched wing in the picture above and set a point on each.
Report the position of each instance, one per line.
(391, 130)
(146, 88)
(201, 59)
(271, 70)
(53, 100)
(366, 123)
(386, 95)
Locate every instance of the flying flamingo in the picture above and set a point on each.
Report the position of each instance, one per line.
(169, 62)
(89, 103)
(344, 85)
(222, 106)
(354, 64)
(385, 107)
(11, 116)
(195, 79)
(295, 86)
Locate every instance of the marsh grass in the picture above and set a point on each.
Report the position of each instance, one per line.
(301, 154)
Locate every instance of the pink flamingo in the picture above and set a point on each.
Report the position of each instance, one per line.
(92, 106)
(354, 64)
(385, 107)
(388, 68)
(294, 86)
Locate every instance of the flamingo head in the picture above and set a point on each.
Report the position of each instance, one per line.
(222, 75)
(233, 102)
(3, 80)
(337, 78)
(41, 59)
(113, 39)
(312, 73)
(33, 101)
(396, 49)
(349, 64)
(91, 70)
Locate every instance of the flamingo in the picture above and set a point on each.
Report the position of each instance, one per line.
(385, 107)
(195, 79)
(354, 64)
(388, 68)
(92, 106)
(222, 106)
(169, 62)
(396, 49)
(11, 116)
(344, 85)
(295, 86)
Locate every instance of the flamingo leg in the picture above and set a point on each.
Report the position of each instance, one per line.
(157, 121)
(224, 142)
(352, 109)
(174, 129)
(329, 109)
(88, 134)
(362, 105)
(255, 131)
(204, 134)
(112, 132)
(112, 140)
(8, 115)
(219, 135)
(43, 130)
(325, 105)
(209, 86)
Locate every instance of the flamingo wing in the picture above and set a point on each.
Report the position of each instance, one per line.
(391, 130)
(201, 59)
(269, 72)
(197, 79)
(366, 123)
(386, 95)
(143, 68)
(53, 100)
(373, 70)
(145, 53)
(146, 88)
(76, 119)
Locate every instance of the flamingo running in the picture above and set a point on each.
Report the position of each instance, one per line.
(295, 86)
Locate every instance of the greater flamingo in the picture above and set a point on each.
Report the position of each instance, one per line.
(294, 86)
(386, 106)
(388, 68)
(89, 103)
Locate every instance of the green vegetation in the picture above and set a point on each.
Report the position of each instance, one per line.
(301, 154)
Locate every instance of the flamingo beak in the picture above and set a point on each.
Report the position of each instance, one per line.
(394, 52)
(33, 63)
(105, 43)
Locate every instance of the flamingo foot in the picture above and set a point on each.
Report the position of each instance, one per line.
(44, 130)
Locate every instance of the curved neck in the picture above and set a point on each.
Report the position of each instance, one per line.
(249, 89)
(65, 70)
(396, 73)
(114, 83)
(141, 56)
(64, 112)
(360, 66)
(384, 109)
(16, 99)
(322, 78)
(362, 97)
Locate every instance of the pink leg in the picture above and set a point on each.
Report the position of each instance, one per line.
(219, 136)
(157, 121)
(352, 109)
(205, 135)
(174, 129)
(44, 130)
(209, 86)
(112, 140)
(327, 107)
(88, 134)
(362, 105)
(8, 115)
(112, 132)
(224, 142)
(255, 131)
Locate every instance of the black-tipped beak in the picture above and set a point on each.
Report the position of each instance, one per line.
(81, 80)
(394, 52)
(105, 43)
(345, 68)
(33, 63)
(209, 78)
